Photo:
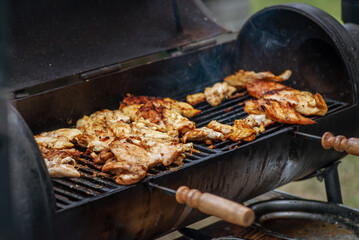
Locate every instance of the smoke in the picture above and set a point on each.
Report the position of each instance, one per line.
(268, 38)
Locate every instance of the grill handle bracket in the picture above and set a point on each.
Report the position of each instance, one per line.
(338, 143)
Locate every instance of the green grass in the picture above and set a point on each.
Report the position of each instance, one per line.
(349, 168)
(333, 7)
(313, 189)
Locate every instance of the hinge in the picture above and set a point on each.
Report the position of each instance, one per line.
(197, 45)
(100, 72)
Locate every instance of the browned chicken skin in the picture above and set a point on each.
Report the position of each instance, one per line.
(132, 157)
(277, 111)
(56, 149)
(182, 108)
(61, 163)
(196, 98)
(258, 88)
(241, 130)
(203, 134)
(213, 95)
(303, 102)
(242, 78)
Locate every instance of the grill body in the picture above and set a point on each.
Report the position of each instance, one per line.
(96, 208)
(103, 209)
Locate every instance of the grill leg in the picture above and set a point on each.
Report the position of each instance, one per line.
(332, 184)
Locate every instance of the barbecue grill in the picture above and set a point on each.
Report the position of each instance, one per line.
(74, 58)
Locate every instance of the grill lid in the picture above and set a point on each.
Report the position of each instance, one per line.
(56, 39)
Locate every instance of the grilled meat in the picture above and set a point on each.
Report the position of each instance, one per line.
(58, 139)
(196, 98)
(258, 88)
(277, 111)
(258, 120)
(166, 119)
(241, 130)
(56, 148)
(218, 92)
(213, 95)
(302, 101)
(242, 78)
(61, 163)
(182, 108)
(132, 157)
(203, 134)
(100, 129)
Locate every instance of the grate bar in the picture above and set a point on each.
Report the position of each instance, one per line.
(73, 186)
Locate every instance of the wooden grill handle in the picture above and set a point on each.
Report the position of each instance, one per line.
(210, 204)
(341, 143)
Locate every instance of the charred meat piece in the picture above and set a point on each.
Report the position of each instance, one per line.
(133, 157)
(258, 120)
(218, 92)
(58, 139)
(302, 101)
(100, 129)
(277, 111)
(56, 149)
(258, 88)
(241, 130)
(196, 98)
(61, 163)
(203, 134)
(242, 78)
(182, 108)
(166, 119)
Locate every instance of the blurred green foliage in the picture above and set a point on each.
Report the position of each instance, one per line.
(332, 7)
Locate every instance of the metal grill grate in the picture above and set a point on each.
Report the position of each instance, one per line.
(93, 182)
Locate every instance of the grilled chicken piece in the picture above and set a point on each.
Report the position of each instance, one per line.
(218, 92)
(59, 139)
(132, 158)
(241, 130)
(225, 129)
(56, 148)
(203, 134)
(242, 78)
(165, 119)
(302, 101)
(182, 108)
(61, 163)
(145, 131)
(258, 120)
(101, 128)
(258, 88)
(278, 111)
(196, 98)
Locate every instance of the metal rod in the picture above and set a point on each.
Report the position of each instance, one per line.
(177, 16)
(168, 191)
(308, 136)
(332, 184)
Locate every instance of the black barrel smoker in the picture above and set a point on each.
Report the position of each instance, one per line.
(73, 58)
